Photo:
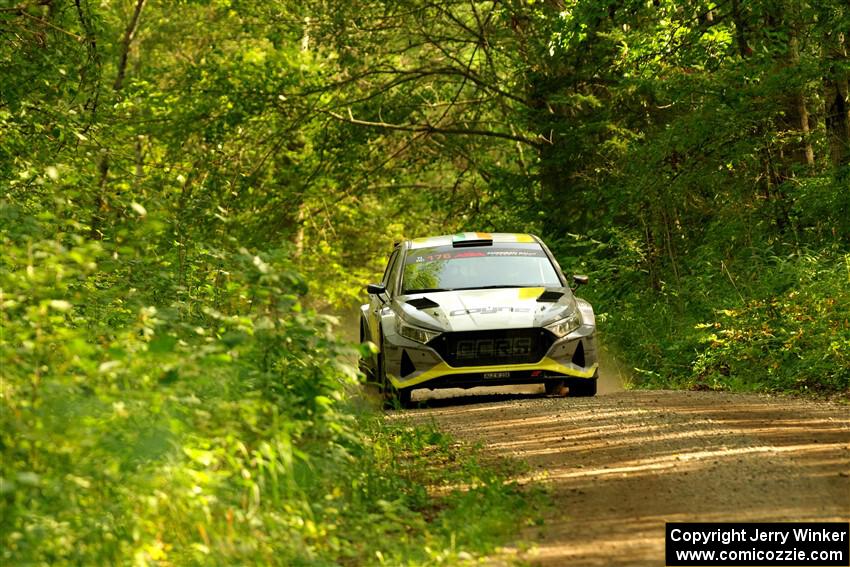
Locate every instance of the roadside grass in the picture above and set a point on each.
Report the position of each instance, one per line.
(461, 508)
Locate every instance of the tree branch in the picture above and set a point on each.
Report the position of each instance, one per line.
(129, 33)
(427, 128)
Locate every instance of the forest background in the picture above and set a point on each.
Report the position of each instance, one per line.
(189, 188)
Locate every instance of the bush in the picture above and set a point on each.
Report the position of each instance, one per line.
(794, 338)
(764, 318)
(214, 429)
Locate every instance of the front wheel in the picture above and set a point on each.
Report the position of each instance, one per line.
(364, 366)
(554, 387)
(401, 396)
(583, 387)
(397, 397)
(392, 396)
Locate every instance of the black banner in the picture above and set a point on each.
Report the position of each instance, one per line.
(762, 544)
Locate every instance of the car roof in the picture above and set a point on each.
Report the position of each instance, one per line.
(496, 237)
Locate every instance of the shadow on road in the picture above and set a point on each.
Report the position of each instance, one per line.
(429, 399)
(619, 466)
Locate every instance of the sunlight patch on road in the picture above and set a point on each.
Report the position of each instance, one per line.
(676, 460)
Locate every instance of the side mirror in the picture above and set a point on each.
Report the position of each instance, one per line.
(579, 280)
(376, 289)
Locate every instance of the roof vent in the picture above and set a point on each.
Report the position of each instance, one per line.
(464, 239)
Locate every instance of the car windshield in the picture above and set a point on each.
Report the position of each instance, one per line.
(443, 268)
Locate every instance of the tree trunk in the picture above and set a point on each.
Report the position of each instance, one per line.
(126, 41)
(740, 37)
(299, 233)
(837, 104)
(101, 201)
(798, 113)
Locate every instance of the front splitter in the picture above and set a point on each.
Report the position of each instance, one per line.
(546, 365)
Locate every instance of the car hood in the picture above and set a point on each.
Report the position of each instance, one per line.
(483, 309)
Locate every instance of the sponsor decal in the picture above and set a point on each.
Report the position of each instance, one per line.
(441, 255)
(488, 310)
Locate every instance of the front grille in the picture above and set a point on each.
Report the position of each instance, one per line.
(487, 348)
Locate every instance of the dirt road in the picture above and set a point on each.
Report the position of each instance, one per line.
(622, 464)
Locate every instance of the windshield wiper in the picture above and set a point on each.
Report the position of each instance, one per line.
(426, 290)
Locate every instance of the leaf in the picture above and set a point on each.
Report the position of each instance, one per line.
(109, 365)
(169, 377)
(6, 486)
(140, 210)
(205, 458)
(28, 478)
(323, 401)
(60, 305)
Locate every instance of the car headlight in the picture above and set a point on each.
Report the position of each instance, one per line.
(564, 327)
(416, 334)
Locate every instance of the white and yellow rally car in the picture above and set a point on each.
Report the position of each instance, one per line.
(477, 309)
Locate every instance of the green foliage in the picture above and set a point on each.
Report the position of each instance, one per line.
(214, 431)
(167, 395)
(180, 192)
(796, 337)
(754, 321)
(715, 243)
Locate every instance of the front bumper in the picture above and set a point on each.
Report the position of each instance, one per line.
(414, 365)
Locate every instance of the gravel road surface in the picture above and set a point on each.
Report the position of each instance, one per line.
(623, 463)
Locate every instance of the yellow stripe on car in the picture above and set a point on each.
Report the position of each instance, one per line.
(529, 292)
(444, 369)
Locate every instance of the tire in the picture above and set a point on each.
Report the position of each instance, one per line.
(397, 398)
(583, 387)
(393, 397)
(362, 364)
(381, 375)
(553, 387)
(403, 397)
(367, 372)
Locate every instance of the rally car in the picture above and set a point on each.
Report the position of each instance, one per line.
(477, 309)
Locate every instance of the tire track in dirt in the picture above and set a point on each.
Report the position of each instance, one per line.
(622, 464)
